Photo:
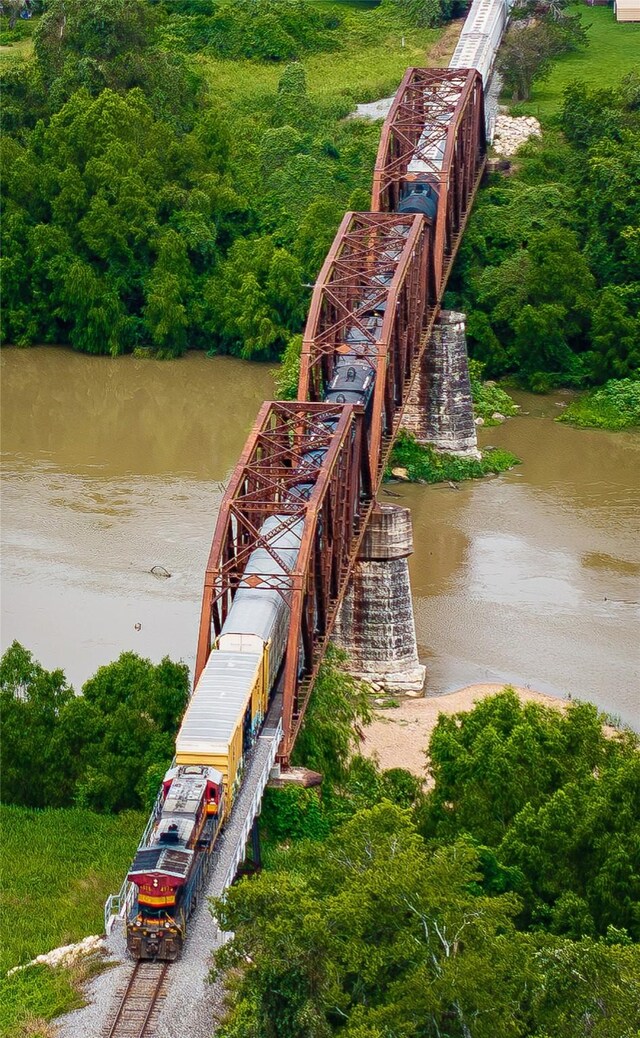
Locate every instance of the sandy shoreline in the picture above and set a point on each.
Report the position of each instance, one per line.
(399, 736)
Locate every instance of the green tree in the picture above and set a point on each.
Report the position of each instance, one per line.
(125, 219)
(256, 299)
(103, 748)
(524, 58)
(367, 934)
(528, 49)
(32, 701)
(338, 707)
(555, 798)
(94, 44)
(616, 334)
(424, 12)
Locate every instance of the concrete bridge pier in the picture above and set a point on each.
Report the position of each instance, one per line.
(439, 410)
(376, 624)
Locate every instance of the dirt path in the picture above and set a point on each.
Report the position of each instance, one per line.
(399, 737)
(439, 55)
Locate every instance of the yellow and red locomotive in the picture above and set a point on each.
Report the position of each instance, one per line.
(171, 870)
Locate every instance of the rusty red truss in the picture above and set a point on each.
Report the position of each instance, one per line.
(331, 523)
(380, 263)
(435, 131)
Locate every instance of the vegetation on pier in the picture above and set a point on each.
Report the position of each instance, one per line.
(425, 465)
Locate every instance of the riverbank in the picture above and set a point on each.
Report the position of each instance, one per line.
(398, 737)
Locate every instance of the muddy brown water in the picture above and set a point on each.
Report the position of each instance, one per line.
(113, 467)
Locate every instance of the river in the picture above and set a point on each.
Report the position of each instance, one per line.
(114, 467)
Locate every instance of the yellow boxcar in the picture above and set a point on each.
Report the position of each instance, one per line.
(223, 710)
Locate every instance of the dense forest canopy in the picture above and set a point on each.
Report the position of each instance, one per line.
(503, 902)
(549, 267)
(144, 210)
(141, 212)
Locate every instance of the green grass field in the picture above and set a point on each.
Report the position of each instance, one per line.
(614, 50)
(58, 867)
(370, 64)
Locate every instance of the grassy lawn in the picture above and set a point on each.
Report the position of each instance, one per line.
(614, 49)
(373, 58)
(22, 47)
(19, 49)
(58, 867)
(36, 995)
(370, 64)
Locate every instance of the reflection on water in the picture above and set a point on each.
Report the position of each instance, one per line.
(114, 467)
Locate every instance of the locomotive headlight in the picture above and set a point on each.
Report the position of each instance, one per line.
(155, 882)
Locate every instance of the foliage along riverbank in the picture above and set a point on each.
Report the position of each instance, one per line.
(181, 189)
(525, 845)
(549, 270)
(172, 180)
(616, 405)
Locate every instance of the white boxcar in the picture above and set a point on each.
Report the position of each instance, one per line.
(215, 723)
(481, 35)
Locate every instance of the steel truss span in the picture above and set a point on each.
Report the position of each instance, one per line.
(310, 469)
(434, 133)
(327, 443)
(380, 264)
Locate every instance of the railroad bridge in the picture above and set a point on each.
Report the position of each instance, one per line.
(349, 579)
(396, 263)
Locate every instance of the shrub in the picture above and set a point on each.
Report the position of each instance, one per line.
(616, 405)
(487, 397)
(426, 465)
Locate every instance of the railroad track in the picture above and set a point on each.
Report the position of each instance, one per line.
(136, 1011)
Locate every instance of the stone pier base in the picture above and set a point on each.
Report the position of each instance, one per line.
(376, 624)
(439, 411)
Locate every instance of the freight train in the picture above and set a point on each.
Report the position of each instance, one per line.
(231, 699)
(232, 696)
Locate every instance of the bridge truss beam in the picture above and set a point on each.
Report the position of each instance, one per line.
(377, 261)
(436, 127)
(334, 517)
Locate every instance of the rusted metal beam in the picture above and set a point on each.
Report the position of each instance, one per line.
(436, 127)
(378, 263)
(275, 459)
